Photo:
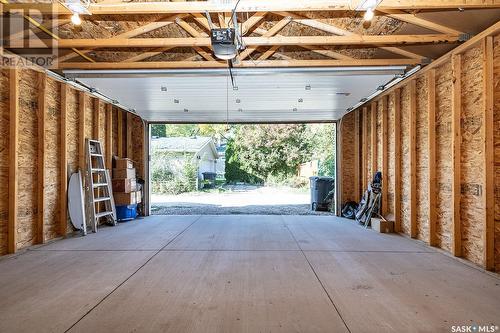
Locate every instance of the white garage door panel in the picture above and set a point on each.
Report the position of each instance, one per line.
(208, 96)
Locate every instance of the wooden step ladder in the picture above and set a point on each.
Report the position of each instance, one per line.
(100, 201)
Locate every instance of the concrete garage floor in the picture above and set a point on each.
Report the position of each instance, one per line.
(242, 274)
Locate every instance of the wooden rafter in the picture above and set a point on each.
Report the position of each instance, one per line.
(201, 20)
(249, 64)
(327, 53)
(413, 19)
(193, 32)
(133, 8)
(357, 40)
(51, 26)
(269, 52)
(251, 22)
(271, 32)
(315, 49)
(43, 28)
(343, 32)
(145, 55)
(129, 34)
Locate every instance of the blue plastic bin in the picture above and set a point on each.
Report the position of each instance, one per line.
(126, 212)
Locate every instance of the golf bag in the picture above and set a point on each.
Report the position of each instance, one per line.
(370, 202)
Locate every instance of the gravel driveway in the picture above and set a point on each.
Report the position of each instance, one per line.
(236, 199)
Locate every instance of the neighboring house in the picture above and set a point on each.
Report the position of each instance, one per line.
(309, 169)
(201, 149)
(221, 162)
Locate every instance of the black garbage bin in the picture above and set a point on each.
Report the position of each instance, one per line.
(320, 187)
(209, 179)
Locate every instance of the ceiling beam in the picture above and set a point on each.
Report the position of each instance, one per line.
(342, 32)
(134, 8)
(315, 49)
(193, 32)
(327, 53)
(271, 32)
(251, 22)
(418, 21)
(356, 40)
(266, 55)
(145, 55)
(222, 20)
(53, 24)
(202, 20)
(220, 64)
(160, 23)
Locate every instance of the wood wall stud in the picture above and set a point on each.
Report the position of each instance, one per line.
(13, 158)
(63, 196)
(41, 168)
(456, 109)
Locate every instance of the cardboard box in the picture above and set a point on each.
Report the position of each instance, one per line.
(124, 173)
(138, 197)
(124, 163)
(122, 198)
(382, 226)
(125, 185)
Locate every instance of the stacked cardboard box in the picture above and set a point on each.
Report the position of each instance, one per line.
(124, 183)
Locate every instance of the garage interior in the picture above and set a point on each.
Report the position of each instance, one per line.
(415, 91)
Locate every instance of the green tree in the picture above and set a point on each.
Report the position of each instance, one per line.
(185, 130)
(323, 137)
(272, 150)
(234, 170)
(158, 130)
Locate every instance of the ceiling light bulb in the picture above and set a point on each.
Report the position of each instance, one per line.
(75, 19)
(369, 14)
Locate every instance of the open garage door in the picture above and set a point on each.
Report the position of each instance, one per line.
(241, 95)
(252, 169)
(247, 96)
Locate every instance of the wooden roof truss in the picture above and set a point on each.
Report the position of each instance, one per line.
(263, 38)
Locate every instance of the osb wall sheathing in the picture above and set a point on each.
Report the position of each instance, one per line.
(379, 137)
(422, 175)
(29, 175)
(389, 183)
(444, 159)
(368, 166)
(405, 159)
(472, 153)
(27, 163)
(347, 166)
(72, 148)
(496, 127)
(138, 145)
(72, 123)
(115, 131)
(89, 117)
(52, 159)
(102, 126)
(4, 160)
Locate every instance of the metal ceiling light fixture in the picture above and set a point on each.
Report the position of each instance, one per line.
(77, 7)
(368, 6)
(369, 14)
(75, 19)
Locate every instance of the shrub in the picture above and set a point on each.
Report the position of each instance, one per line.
(173, 173)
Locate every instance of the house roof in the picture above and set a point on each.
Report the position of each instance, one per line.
(184, 144)
(191, 144)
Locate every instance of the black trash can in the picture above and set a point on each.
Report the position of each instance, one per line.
(209, 179)
(320, 187)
